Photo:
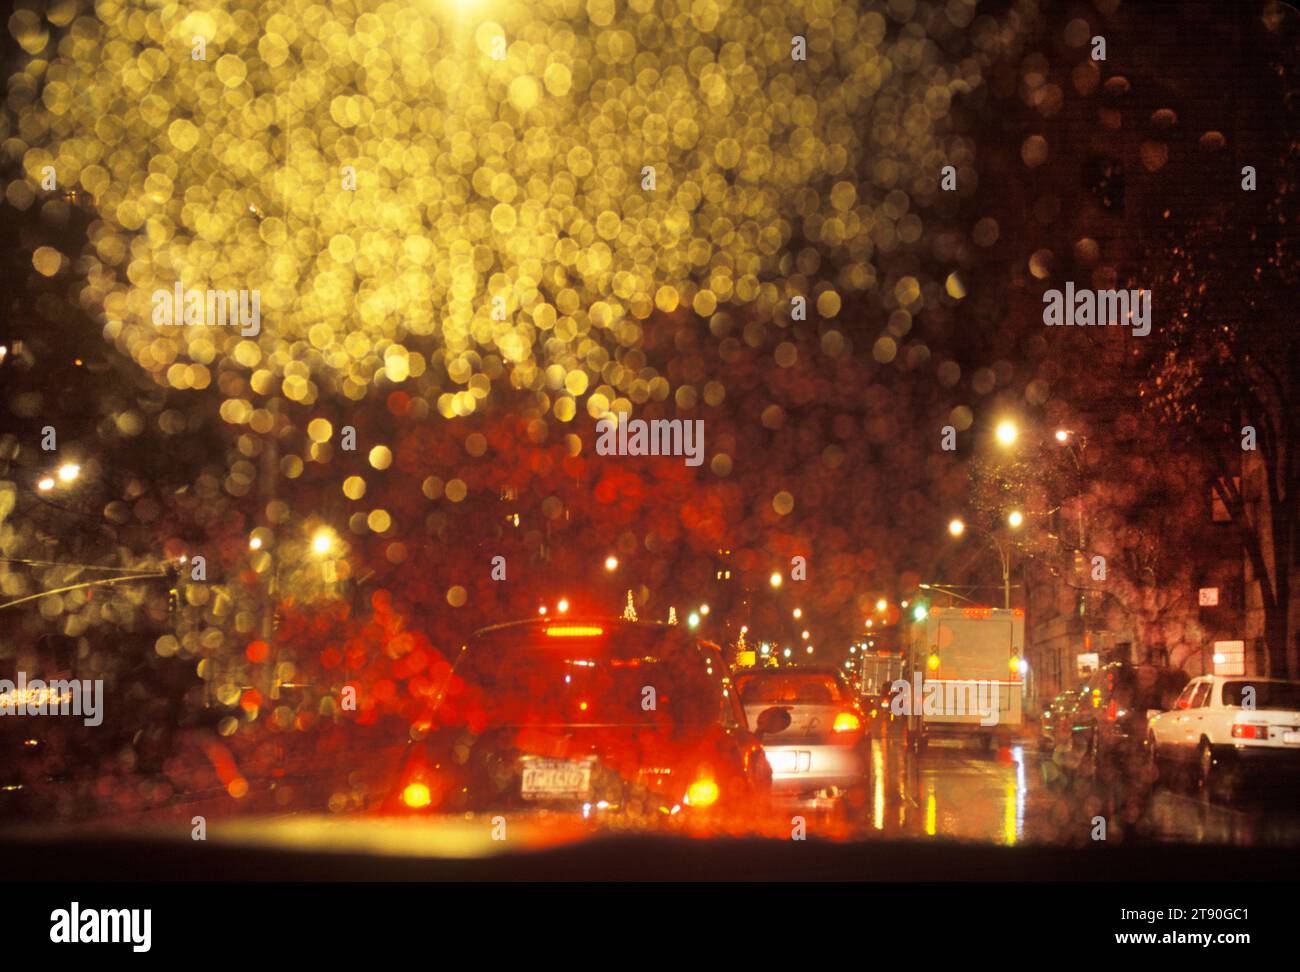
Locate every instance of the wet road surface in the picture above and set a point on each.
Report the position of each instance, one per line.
(1011, 796)
(1018, 794)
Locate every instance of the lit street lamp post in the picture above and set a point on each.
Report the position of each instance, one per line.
(1015, 518)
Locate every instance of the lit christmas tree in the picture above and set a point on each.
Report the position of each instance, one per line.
(672, 615)
(629, 609)
(741, 646)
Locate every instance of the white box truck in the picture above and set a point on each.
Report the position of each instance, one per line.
(966, 666)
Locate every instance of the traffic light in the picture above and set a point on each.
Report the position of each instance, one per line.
(920, 610)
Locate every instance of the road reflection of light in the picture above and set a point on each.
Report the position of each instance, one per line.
(878, 777)
(1014, 825)
(1009, 818)
(931, 811)
(1022, 793)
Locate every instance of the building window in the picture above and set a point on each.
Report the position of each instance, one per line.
(1218, 511)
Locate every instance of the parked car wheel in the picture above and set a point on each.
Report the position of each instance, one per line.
(1214, 778)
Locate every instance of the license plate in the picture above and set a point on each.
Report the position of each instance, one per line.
(555, 778)
(782, 762)
(1291, 738)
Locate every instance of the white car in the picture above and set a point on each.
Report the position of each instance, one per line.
(1223, 727)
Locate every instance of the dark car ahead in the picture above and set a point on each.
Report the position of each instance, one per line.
(1103, 731)
(598, 717)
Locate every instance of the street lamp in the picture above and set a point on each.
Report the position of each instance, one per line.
(1014, 519)
(775, 579)
(956, 527)
(1062, 436)
(66, 473)
(704, 610)
(611, 563)
(1006, 432)
(321, 542)
(798, 613)
(882, 605)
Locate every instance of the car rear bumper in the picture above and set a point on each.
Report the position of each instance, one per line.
(1263, 758)
(815, 771)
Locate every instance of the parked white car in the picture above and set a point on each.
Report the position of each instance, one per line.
(1226, 727)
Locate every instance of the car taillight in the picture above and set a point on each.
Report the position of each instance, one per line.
(846, 722)
(1112, 710)
(416, 795)
(1250, 730)
(702, 793)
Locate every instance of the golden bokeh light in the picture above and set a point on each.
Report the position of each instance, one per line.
(419, 188)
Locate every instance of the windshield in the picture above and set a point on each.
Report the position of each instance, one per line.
(799, 688)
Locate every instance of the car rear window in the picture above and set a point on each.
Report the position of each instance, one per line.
(1268, 695)
(794, 688)
(617, 678)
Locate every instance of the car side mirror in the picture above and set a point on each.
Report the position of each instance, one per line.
(771, 721)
